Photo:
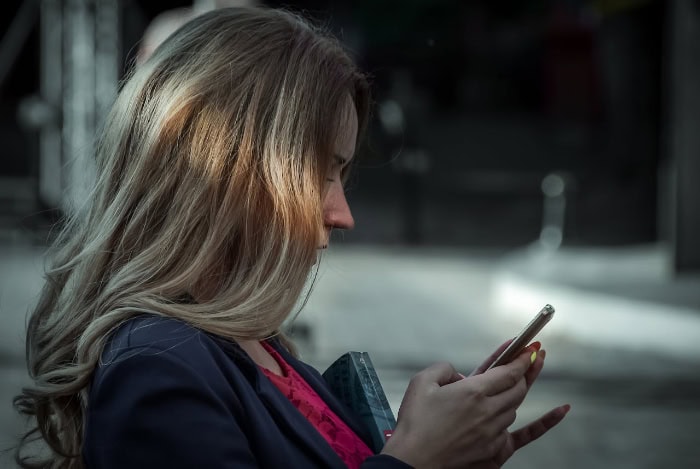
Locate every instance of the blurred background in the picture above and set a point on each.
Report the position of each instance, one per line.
(521, 153)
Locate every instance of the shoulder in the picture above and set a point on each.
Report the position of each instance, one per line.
(149, 332)
(160, 378)
(148, 344)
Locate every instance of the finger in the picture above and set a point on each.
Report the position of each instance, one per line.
(539, 427)
(485, 465)
(498, 379)
(492, 358)
(495, 446)
(485, 451)
(534, 371)
(504, 420)
(508, 400)
(440, 373)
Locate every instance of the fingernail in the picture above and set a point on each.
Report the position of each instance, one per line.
(460, 374)
(533, 357)
(536, 345)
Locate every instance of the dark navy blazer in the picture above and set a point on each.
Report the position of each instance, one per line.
(169, 395)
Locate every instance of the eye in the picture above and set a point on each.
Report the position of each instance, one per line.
(337, 168)
(339, 161)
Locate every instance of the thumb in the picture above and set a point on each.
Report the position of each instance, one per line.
(440, 373)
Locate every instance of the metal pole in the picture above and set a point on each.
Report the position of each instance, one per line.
(51, 89)
(107, 56)
(78, 102)
(683, 126)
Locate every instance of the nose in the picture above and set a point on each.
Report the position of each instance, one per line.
(336, 211)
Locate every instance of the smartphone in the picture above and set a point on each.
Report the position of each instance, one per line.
(523, 339)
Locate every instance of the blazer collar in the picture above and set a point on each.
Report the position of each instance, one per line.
(288, 418)
(316, 381)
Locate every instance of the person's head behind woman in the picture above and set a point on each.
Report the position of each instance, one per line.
(212, 172)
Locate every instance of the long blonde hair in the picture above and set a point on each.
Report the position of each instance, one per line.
(211, 170)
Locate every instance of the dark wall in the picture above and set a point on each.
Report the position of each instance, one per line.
(494, 96)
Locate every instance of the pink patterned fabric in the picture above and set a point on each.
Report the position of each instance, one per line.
(351, 449)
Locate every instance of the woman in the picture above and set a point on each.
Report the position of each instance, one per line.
(156, 341)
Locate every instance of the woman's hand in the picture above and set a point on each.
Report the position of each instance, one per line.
(519, 438)
(447, 420)
(529, 433)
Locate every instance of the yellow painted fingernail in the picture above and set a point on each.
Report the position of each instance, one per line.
(533, 357)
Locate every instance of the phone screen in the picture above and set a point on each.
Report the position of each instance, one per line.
(526, 335)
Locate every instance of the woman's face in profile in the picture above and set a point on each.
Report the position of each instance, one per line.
(336, 211)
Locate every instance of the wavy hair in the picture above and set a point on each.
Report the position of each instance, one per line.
(211, 169)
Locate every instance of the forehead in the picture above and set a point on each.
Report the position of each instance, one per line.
(346, 131)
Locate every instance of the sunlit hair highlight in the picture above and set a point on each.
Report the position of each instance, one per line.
(211, 171)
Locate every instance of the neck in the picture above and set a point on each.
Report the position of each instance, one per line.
(260, 356)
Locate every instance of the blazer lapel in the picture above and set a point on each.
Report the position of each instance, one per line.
(294, 424)
(319, 385)
(288, 418)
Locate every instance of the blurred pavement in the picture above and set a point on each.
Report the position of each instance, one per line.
(623, 348)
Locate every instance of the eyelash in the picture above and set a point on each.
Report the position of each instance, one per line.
(342, 168)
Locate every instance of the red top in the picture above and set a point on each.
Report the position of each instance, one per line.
(351, 449)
